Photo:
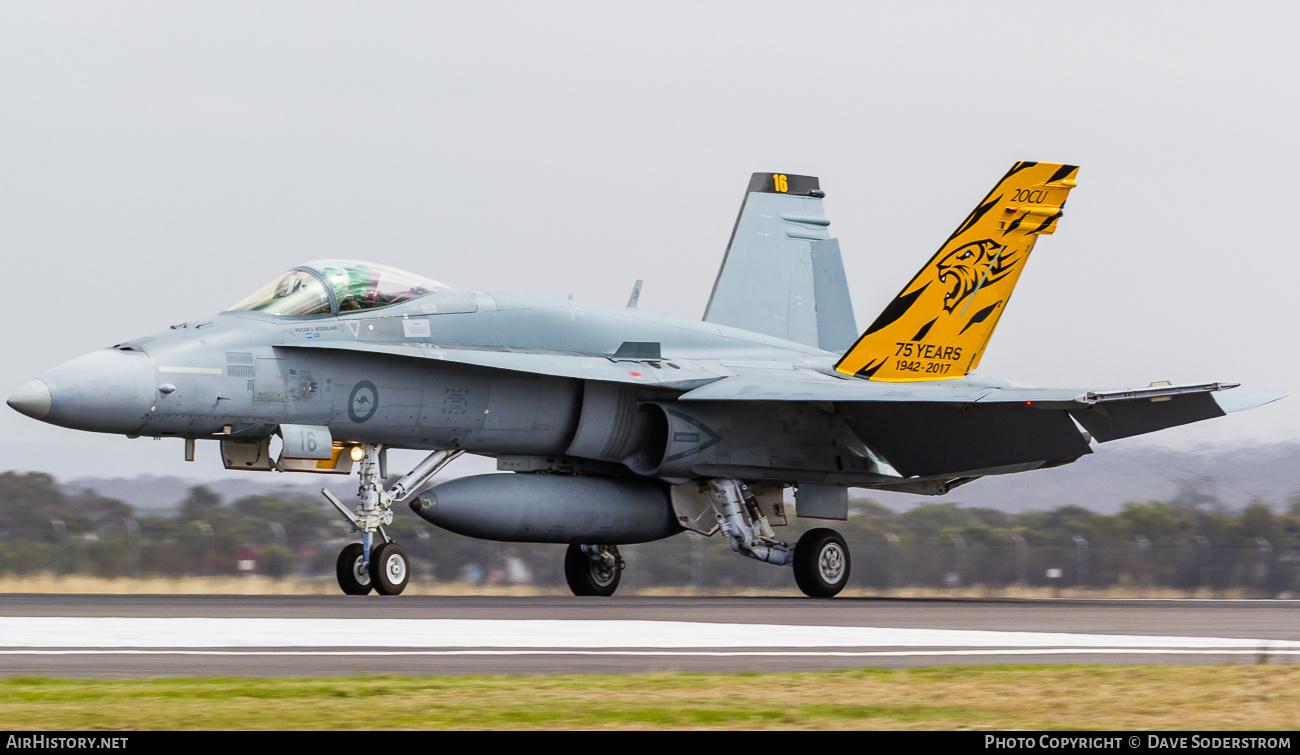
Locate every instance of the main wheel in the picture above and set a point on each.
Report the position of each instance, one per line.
(354, 578)
(389, 569)
(821, 563)
(587, 577)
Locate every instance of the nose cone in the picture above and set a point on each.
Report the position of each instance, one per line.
(107, 391)
(33, 399)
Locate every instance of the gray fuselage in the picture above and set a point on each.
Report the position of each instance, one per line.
(251, 372)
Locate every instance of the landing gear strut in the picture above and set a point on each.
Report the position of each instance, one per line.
(820, 558)
(593, 569)
(744, 524)
(382, 567)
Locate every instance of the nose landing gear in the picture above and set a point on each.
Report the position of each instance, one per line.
(383, 566)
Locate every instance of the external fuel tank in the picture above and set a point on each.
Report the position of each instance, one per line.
(542, 508)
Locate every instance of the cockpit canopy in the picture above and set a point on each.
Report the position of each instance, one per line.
(337, 287)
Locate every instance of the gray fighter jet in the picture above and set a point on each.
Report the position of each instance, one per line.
(614, 426)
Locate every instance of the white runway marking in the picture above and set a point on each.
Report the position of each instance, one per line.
(238, 636)
(662, 653)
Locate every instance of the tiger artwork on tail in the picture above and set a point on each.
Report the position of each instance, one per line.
(939, 325)
(967, 269)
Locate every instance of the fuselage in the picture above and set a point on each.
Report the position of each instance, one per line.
(239, 372)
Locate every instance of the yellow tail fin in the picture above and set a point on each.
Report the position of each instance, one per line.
(940, 323)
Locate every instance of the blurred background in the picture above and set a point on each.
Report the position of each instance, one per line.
(83, 540)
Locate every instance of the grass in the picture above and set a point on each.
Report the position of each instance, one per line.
(977, 697)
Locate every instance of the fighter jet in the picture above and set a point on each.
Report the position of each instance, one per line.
(612, 426)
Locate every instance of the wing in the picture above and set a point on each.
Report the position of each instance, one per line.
(953, 428)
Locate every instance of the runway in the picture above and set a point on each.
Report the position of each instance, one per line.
(113, 636)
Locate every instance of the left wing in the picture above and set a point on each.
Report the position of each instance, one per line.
(952, 427)
(1154, 407)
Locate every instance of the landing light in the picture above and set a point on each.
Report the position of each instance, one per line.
(358, 453)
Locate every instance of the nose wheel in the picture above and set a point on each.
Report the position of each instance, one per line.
(389, 569)
(353, 575)
(387, 573)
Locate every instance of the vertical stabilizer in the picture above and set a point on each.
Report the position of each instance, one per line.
(782, 274)
(940, 323)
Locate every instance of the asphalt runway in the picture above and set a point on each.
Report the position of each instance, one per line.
(132, 636)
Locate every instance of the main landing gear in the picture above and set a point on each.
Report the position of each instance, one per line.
(382, 567)
(820, 558)
(821, 563)
(593, 569)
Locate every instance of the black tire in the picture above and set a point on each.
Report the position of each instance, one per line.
(587, 577)
(390, 569)
(352, 577)
(821, 563)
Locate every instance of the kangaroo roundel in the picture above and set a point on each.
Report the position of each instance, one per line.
(363, 401)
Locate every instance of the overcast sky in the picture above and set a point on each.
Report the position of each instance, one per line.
(160, 161)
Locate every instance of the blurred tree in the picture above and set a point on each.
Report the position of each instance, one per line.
(28, 501)
(1257, 521)
(925, 522)
(1160, 523)
(200, 503)
(276, 561)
